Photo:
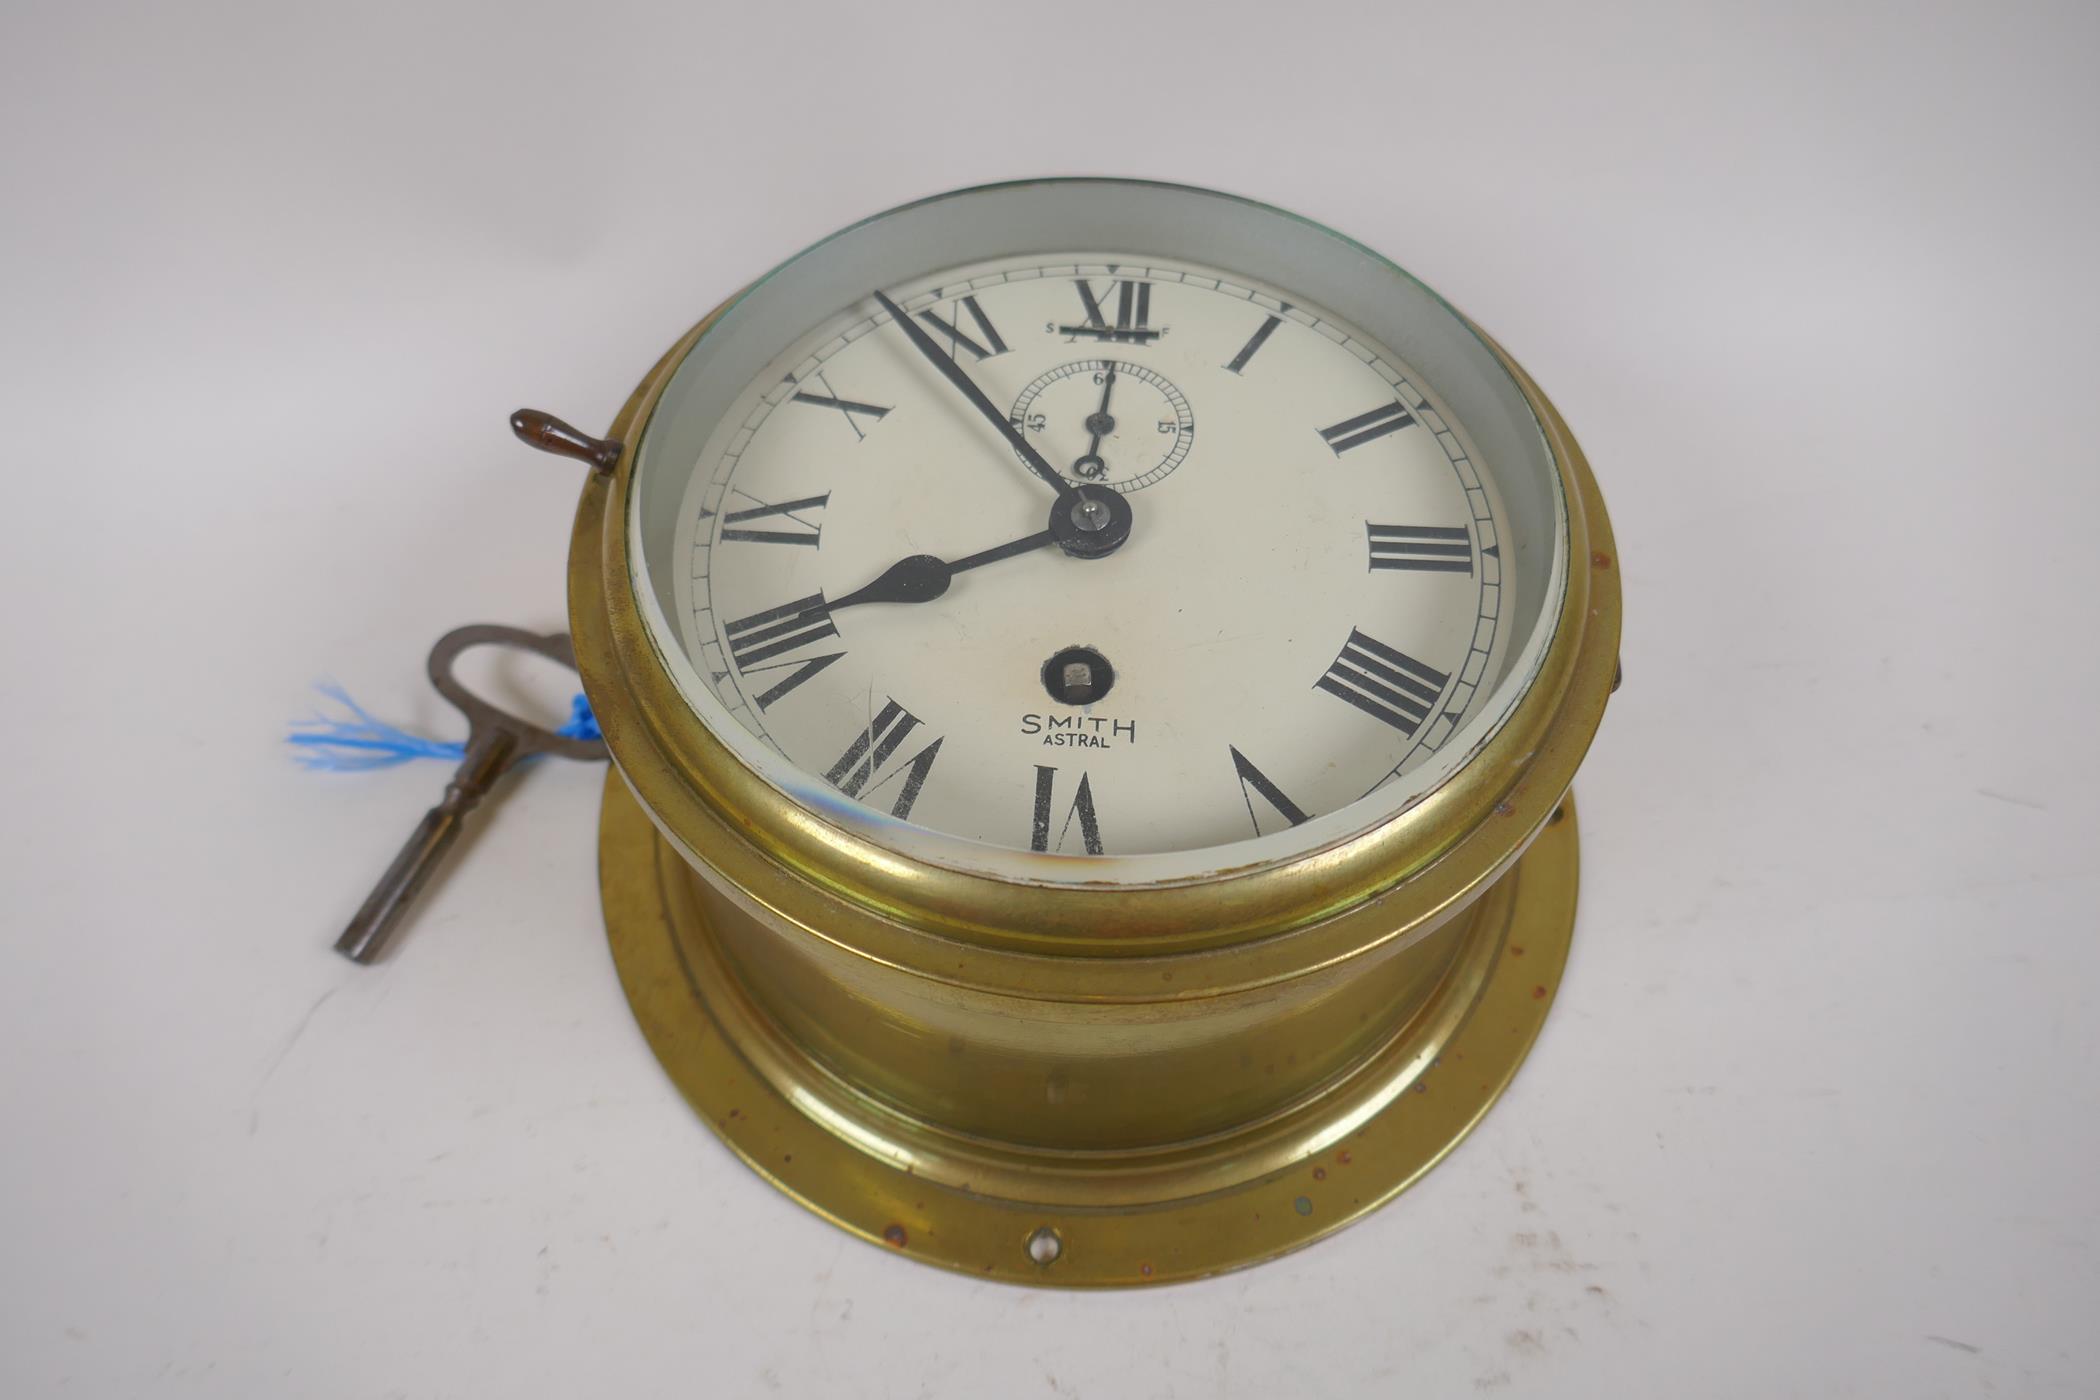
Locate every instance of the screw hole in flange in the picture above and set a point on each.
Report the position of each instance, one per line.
(1045, 1246)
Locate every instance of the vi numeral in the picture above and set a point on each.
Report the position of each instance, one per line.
(1081, 811)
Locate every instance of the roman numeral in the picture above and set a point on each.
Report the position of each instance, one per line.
(959, 339)
(1366, 427)
(802, 671)
(1258, 781)
(855, 774)
(1082, 810)
(1390, 686)
(765, 635)
(756, 640)
(805, 533)
(1133, 312)
(1433, 549)
(853, 409)
(1254, 343)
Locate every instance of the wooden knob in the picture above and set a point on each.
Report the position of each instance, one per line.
(550, 434)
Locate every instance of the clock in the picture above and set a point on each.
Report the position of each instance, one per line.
(1094, 671)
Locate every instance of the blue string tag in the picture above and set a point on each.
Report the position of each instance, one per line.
(354, 741)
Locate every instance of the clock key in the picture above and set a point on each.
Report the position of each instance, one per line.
(496, 741)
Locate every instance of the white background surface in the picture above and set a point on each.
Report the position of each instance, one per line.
(1816, 287)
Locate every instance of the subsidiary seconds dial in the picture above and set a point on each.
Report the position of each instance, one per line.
(929, 498)
(1138, 426)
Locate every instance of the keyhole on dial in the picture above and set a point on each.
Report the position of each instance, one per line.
(1078, 676)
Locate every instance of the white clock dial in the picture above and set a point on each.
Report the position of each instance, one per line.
(883, 582)
(1306, 602)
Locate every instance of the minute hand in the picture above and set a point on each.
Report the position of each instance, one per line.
(954, 373)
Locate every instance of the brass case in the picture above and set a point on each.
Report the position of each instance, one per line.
(1084, 1085)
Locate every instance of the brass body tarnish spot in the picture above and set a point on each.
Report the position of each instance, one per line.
(950, 1065)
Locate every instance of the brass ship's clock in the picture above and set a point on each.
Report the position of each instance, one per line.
(1094, 670)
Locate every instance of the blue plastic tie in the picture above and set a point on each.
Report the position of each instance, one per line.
(360, 742)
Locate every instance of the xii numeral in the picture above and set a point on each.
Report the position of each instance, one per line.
(859, 771)
(1081, 811)
(1367, 427)
(1133, 301)
(1388, 685)
(1435, 549)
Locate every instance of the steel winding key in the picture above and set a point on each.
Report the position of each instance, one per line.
(495, 741)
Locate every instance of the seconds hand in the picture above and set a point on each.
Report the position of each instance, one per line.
(1099, 424)
(953, 372)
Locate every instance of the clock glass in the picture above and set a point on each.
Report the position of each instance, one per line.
(1097, 530)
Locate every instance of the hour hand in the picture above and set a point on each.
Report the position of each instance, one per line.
(1086, 522)
(921, 578)
(954, 374)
